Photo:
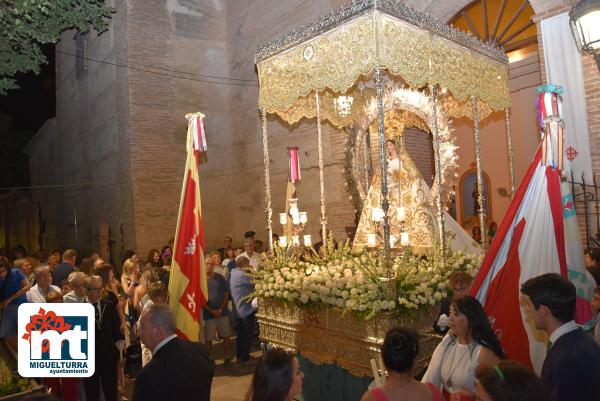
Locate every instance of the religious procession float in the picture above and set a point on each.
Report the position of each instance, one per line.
(371, 70)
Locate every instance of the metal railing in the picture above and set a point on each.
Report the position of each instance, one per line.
(587, 204)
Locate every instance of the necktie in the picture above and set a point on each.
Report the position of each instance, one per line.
(97, 315)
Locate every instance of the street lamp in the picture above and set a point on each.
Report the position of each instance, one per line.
(585, 25)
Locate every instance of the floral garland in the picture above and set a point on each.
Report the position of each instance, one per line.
(354, 282)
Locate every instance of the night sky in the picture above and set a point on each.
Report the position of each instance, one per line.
(22, 112)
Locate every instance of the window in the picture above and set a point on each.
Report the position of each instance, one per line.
(80, 61)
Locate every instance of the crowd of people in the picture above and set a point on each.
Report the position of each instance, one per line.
(122, 298)
(130, 304)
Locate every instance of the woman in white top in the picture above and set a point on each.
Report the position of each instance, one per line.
(469, 343)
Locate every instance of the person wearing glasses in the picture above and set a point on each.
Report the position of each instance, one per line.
(108, 339)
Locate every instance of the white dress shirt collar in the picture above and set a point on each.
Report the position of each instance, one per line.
(163, 342)
(562, 330)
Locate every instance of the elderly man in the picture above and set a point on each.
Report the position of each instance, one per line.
(77, 285)
(242, 285)
(179, 370)
(39, 292)
(215, 313)
(249, 254)
(24, 265)
(108, 337)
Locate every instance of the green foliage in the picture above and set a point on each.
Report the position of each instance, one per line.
(11, 384)
(26, 24)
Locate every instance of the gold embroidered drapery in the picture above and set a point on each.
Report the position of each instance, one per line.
(338, 59)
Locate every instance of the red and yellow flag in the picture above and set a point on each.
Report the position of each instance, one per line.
(187, 283)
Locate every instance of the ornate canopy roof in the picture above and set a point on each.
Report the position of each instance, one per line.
(338, 54)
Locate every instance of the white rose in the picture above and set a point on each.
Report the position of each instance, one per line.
(304, 298)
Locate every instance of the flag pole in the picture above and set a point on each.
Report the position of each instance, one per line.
(187, 284)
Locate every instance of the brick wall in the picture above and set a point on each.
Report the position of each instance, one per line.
(591, 79)
(92, 142)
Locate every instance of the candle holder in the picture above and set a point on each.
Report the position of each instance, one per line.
(293, 222)
(375, 238)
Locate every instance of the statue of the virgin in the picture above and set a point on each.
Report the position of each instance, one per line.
(411, 208)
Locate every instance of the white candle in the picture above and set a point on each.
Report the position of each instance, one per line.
(294, 211)
(303, 217)
(401, 213)
(307, 240)
(404, 239)
(295, 240)
(372, 239)
(376, 214)
(295, 220)
(392, 240)
(283, 218)
(283, 241)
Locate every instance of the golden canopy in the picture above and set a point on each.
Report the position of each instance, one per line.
(338, 54)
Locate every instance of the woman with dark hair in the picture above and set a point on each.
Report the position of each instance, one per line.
(153, 259)
(399, 351)
(87, 266)
(508, 381)
(277, 377)
(469, 343)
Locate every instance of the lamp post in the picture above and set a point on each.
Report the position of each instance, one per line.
(585, 24)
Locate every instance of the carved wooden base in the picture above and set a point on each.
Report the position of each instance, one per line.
(328, 335)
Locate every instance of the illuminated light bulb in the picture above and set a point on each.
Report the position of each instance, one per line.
(283, 242)
(401, 213)
(376, 214)
(392, 240)
(295, 240)
(404, 239)
(283, 218)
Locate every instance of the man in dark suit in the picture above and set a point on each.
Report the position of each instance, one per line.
(571, 369)
(179, 370)
(108, 337)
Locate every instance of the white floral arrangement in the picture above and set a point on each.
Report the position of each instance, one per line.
(354, 282)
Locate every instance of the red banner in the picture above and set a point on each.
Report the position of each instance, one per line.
(187, 283)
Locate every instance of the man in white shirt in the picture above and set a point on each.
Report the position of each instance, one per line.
(571, 370)
(39, 292)
(249, 253)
